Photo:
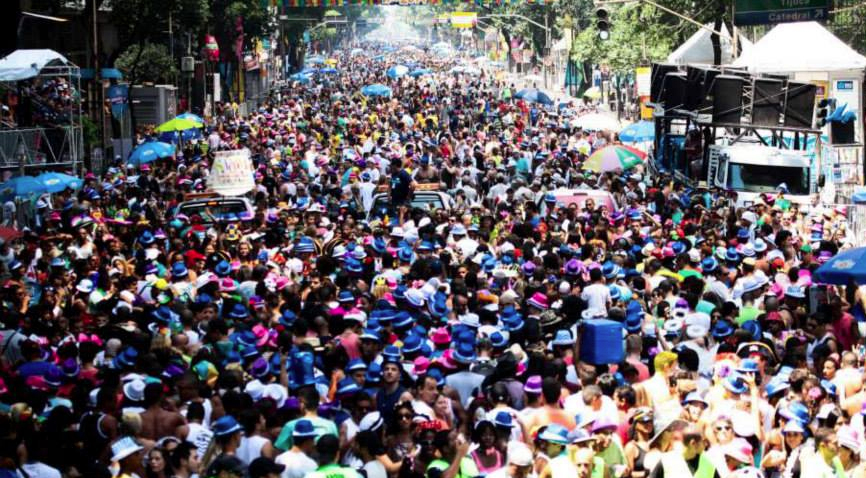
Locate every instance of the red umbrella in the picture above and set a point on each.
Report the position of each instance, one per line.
(9, 233)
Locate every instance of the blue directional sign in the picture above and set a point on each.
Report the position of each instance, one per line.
(762, 12)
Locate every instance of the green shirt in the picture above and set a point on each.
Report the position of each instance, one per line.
(747, 313)
(333, 471)
(321, 425)
(611, 456)
(467, 467)
(597, 467)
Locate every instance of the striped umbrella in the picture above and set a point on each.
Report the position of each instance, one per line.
(612, 158)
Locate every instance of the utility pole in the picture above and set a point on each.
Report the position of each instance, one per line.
(97, 81)
(546, 53)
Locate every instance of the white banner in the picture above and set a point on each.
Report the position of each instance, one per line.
(231, 173)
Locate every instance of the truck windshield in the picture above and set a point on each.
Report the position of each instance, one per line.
(759, 178)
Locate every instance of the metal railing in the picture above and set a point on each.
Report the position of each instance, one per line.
(39, 147)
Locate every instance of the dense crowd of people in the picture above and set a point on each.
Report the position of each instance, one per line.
(501, 331)
(45, 102)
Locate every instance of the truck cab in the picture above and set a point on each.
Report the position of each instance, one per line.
(215, 209)
(753, 169)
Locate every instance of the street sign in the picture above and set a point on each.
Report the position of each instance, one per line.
(762, 12)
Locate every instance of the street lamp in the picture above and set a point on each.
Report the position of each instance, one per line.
(36, 16)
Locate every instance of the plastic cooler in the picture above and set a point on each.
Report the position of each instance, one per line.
(601, 342)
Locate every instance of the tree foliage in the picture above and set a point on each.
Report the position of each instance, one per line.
(631, 43)
(150, 62)
(641, 33)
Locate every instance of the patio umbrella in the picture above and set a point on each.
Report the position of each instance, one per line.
(466, 70)
(356, 51)
(534, 95)
(638, 132)
(175, 136)
(22, 186)
(397, 71)
(315, 60)
(191, 117)
(597, 122)
(376, 89)
(328, 71)
(612, 158)
(842, 268)
(9, 234)
(178, 124)
(593, 93)
(56, 182)
(149, 152)
(420, 72)
(301, 78)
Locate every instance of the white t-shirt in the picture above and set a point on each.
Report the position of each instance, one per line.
(39, 470)
(200, 437)
(597, 296)
(375, 469)
(251, 448)
(297, 464)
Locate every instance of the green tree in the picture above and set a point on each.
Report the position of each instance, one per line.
(635, 38)
(150, 62)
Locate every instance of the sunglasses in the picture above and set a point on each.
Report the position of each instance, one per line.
(404, 416)
(722, 428)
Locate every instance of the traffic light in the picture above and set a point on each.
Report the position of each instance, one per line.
(602, 22)
(825, 109)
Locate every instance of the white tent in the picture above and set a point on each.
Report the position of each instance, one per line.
(24, 64)
(698, 49)
(800, 47)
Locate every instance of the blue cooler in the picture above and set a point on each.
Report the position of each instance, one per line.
(601, 342)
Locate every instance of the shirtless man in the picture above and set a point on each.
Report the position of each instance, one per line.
(156, 421)
(188, 391)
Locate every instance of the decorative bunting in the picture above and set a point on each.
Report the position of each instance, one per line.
(339, 3)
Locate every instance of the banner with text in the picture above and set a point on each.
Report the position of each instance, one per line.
(231, 173)
(464, 19)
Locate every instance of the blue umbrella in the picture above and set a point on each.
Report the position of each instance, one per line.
(149, 152)
(639, 132)
(23, 186)
(56, 182)
(175, 136)
(328, 71)
(534, 95)
(191, 117)
(844, 267)
(420, 72)
(397, 71)
(301, 78)
(376, 89)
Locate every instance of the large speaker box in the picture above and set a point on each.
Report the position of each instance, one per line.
(842, 133)
(708, 76)
(768, 95)
(694, 91)
(659, 70)
(673, 93)
(799, 105)
(727, 92)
